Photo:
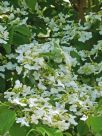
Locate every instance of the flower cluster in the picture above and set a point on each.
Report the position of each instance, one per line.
(55, 97)
(3, 35)
(89, 68)
(12, 14)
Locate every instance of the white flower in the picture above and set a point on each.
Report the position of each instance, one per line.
(9, 95)
(67, 1)
(39, 61)
(17, 101)
(73, 98)
(32, 102)
(52, 24)
(48, 119)
(18, 84)
(2, 68)
(100, 84)
(84, 118)
(3, 41)
(23, 121)
(41, 86)
(34, 119)
(11, 56)
(72, 120)
(63, 125)
(51, 78)
(10, 66)
(60, 83)
(72, 84)
(87, 69)
(19, 69)
(11, 16)
(23, 21)
(73, 108)
(3, 34)
(62, 17)
(27, 90)
(54, 91)
(39, 113)
(84, 36)
(2, 75)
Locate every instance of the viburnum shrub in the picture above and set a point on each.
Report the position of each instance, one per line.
(50, 70)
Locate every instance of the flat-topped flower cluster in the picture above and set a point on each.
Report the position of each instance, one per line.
(54, 97)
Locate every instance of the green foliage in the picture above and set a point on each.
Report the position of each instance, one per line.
(21, 35)
(82, 128)
(2, 86)
(44, 130)
(17, 130)
(31, 4)
(95, 124)
(7, 118)
(49, 131)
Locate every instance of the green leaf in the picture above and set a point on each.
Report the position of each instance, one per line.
(7, 118)
(49, 131)
(7, 48)
(17, 130)
(31, 4)
(21, 35)
(19, 39)
(41, 130)
(82, 128)
(3, 106)
(95, 123)
(67, 134)
(75, 55)
(3, 85)
(24, 30)
(14, 2)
